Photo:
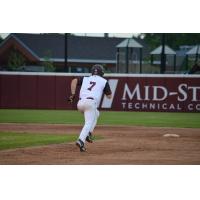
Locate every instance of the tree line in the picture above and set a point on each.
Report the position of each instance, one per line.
(1, 39)
(174, 40)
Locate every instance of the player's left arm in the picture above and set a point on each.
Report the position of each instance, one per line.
(107, 91)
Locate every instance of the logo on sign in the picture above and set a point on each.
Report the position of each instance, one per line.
(156, 97)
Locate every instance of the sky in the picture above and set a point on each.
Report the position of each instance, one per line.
(3, 35)
(110, 34)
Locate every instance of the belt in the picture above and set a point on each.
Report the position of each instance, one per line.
(88, 98)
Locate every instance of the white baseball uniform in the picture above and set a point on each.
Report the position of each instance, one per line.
(91, 91)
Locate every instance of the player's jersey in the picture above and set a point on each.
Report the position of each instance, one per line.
(93, 87)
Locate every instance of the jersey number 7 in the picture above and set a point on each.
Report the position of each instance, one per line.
(92, 85)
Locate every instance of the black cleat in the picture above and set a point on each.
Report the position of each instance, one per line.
(80, 145)
(89, 138)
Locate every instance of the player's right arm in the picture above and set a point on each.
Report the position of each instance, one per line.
(73, 86)
(74, 83)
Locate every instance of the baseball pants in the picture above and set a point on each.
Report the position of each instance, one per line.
(91, 114)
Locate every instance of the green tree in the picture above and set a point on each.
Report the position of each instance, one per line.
(16, 61)
(153, 40)
(1, 39)
(48, 64)
(174, 40)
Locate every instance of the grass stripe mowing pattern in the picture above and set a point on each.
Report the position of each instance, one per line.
(151, 119)
(12, 140)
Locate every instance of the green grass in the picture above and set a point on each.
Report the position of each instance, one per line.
(40, 116)
(11, 140)
(153, 119)
(158, 119)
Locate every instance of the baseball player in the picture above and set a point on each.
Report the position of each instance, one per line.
(91, 91)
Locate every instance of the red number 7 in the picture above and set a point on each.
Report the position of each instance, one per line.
(92, 85)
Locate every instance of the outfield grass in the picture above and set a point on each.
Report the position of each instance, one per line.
(158, 119)
(11, 140)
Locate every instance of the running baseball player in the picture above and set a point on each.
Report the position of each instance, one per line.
(91, 91)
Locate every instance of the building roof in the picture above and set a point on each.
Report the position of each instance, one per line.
(129, 43)
(79, 47)
(158, 50)
(194, 50)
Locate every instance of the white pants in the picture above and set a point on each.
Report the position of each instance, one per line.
(91, 114)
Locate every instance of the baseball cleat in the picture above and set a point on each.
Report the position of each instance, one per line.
(89, 138)
(80, 145)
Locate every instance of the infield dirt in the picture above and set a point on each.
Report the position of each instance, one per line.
(120, 145)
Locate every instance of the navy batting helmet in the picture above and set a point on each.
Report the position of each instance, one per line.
(98, 70)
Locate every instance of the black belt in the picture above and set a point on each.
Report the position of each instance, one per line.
(88, 98)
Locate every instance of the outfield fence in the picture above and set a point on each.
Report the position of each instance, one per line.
(135, 92)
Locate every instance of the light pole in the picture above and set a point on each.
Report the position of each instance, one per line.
(66, 69)
(163, 57)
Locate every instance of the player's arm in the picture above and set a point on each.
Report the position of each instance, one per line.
(74, 83)
(107, 91)
(73, 86)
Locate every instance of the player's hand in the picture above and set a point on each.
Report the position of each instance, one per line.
(71, 98)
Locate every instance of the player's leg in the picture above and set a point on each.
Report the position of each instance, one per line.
(81, 107)
(94, 123)
(88, 108)
(89, 136)
(89, 116)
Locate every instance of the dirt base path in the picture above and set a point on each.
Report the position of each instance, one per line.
(120, 145)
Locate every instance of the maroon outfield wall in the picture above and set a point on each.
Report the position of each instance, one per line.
(174, 93)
